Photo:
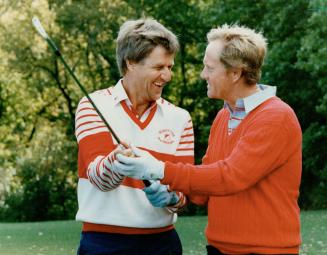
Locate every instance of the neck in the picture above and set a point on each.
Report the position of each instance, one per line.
(242, 91)
(139, 103)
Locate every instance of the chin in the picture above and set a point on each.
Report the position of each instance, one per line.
(155, 98)
(209, 94)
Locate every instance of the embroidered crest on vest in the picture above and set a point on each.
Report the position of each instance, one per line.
(166, 136)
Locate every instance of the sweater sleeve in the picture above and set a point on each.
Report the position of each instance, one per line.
(184, 154)
(260, 150)
(197, 199)
(94, 146)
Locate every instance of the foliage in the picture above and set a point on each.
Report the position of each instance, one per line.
(314, 185)
(39, 192)
(38, 98)
(312, 59)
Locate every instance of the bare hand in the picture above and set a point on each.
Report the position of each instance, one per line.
(125, 150)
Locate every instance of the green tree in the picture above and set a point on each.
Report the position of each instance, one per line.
(38, 98)
(37, 105)
(46, 180)
(312, 59)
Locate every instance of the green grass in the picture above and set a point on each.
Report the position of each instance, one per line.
(62, 237)
(314, 232)
(39, 238)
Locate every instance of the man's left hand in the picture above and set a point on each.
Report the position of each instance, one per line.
(159, 196)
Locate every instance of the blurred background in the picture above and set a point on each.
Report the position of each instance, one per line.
(38, 99)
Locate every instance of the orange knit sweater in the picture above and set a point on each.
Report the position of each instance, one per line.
(250, 180)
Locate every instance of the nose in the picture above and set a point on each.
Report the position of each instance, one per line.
(166, 74)
(203, 74)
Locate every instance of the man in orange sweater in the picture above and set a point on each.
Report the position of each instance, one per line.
(251, 172)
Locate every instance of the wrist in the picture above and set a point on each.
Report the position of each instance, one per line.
(174, 199)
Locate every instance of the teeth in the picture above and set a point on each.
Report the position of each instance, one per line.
(158, 84)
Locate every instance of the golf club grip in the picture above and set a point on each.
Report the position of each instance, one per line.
(146, 183)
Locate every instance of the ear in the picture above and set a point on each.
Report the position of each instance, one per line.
(236, 74)
(130, 65)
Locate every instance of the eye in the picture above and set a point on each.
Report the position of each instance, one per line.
(209, 69)
(158, 68)
(161, 67)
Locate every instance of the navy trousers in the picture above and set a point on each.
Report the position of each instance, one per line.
(214, 251)
(166, 243)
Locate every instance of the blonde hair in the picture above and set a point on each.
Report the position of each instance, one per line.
(243, 48)
(137, 38)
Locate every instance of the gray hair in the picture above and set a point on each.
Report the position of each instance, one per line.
(137, 38)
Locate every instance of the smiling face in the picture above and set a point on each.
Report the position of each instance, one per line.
(151, 74)
(218, 78)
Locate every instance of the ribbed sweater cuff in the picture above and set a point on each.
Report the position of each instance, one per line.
(168, 173)
(177, 176)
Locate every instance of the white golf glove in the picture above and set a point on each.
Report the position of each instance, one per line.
(143, 166)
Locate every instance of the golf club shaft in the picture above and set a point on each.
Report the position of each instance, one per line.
(58, 54)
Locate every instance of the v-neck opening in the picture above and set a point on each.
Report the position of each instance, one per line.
(136, 120)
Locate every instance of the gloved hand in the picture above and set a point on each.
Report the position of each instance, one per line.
(143, 167)
(159, 196)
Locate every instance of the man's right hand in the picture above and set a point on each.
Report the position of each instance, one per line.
(111, 157)
(142, 167)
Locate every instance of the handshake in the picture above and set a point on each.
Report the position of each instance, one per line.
(140, 164)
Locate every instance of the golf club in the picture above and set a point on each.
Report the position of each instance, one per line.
(37, 24)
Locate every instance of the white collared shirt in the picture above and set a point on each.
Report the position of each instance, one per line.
(245, 105)
(120, 94)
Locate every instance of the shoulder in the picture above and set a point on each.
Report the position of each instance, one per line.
(96, 96)
(172, 110)
(102, 93)
(277, 108)
(277, 112)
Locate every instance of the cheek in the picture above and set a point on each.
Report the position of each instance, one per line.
(214, 78)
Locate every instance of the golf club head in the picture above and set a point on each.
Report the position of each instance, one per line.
(37, 24)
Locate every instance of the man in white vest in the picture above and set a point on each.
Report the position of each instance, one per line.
(119, 214)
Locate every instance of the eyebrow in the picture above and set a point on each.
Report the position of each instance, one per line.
(206, 64)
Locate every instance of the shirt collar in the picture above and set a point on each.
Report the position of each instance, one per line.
(253, 101)
(119, 94)
(249, 103)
